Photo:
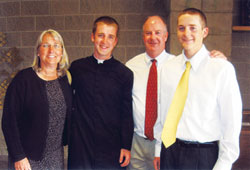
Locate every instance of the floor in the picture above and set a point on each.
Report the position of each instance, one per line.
(3, 162)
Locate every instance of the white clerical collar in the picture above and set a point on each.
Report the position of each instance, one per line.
(99, 61)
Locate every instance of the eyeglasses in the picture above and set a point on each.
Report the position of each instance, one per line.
(56, 46)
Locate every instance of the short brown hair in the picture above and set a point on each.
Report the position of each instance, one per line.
(107, 20)
(194, 11)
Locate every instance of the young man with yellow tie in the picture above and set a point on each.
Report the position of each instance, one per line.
(202, 101)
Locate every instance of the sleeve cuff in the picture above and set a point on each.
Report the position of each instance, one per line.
(222, 165)
(157, 149)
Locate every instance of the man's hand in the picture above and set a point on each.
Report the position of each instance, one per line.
(124, 157)
(217, 54)
(22, 164)
(157, 163)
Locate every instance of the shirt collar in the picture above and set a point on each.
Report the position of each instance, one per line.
(99, 61)
(196, 60)
(160, 58)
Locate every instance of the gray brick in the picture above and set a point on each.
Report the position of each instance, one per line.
(247, 39)
(71, 38)
(3, 151)
(244, 84)
(238, 39)
(13, 39)
(89, 50)
(75, 53)
(83, 22)
(47, 22)
(246, 99)
(10, 9)
(240, 54)
(12, 0)
(35, 8)
(178, 5)
(128, 6)
(21, 24)
(155, 7)
(133, 51)
(121, 19)
(242, 70)
(217, 6)
(63, 7)
(173, 22)
(219, 23)
(119, 54)
(28, 55)
(219, 42)
(86, 38)
(95, 6)
(174, 45)
(122, 38)
(2, 24)
(134, 21)
(131, 38)
(29, 38)
(236, 20)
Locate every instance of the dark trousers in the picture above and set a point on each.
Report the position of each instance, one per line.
(189, 156)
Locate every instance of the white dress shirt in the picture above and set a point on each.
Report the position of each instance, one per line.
(140, 65)
(213, 109)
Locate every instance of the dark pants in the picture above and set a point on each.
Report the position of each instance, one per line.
(189, 156)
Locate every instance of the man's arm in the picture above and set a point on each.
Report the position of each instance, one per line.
(158, 144)
(157, 163)
(230, 105)
(127, 123)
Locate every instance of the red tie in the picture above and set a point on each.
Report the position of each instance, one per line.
(151, 102)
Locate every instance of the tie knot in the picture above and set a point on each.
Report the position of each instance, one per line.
(154, 61)
(188, 65)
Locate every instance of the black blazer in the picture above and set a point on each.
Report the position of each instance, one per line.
(25, 115)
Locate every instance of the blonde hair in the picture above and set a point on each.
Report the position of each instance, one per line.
(62, 65)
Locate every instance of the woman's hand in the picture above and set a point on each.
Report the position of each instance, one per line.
(22, 164)
(217, 54)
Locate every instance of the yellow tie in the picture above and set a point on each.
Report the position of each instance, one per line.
(176, 108)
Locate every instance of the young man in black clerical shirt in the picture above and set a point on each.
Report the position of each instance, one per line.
(102, 127)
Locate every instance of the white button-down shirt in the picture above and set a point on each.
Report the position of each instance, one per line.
(213, 109)
(140, 65)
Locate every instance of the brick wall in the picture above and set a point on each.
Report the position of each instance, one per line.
(22, 21)
(241, 56)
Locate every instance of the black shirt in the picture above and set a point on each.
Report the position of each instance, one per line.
(103, 122)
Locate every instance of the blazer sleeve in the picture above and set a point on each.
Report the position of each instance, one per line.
(13, 106)
(127, 126)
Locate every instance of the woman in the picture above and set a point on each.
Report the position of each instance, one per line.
(37, 103)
